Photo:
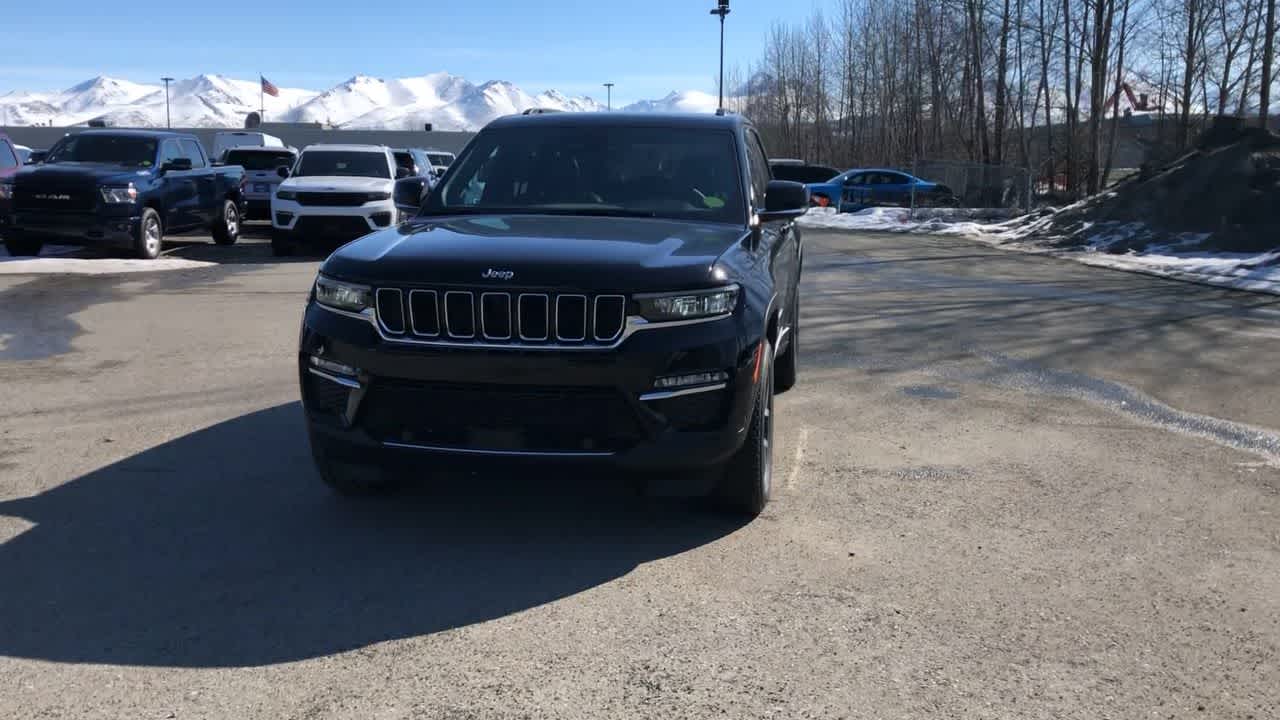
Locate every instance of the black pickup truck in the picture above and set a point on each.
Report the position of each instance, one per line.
(610, 288)
(120, 188)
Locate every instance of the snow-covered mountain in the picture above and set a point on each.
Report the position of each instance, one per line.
(447, 101)
(686, 101)
(201, 101)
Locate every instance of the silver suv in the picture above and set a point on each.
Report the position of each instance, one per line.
(261, 175)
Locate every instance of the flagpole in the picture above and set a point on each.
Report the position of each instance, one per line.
(262, 101)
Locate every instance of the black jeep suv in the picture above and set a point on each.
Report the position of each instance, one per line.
(604, 287)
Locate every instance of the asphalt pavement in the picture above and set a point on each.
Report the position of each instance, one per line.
(1008, 486)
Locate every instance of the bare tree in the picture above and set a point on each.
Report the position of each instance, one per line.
(1268, 54)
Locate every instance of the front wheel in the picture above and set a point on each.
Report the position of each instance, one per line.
(748, 476)
(150, 235)
(23, 246)
(226, 229)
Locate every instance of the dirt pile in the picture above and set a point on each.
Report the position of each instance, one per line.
(1224, 196)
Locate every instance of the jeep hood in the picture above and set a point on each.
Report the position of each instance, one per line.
(593, 254)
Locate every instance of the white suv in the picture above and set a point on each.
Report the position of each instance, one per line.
(333, 194)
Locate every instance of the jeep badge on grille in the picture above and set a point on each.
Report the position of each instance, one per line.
(492, 274)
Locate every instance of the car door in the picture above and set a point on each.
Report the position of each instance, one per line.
(205, 205)
(895, 188)
(778, 238)
(178, 189)
(855, 194)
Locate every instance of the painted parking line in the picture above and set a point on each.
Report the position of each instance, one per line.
(793, 478)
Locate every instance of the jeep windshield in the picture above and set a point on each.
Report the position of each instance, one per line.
(679, 173)
(126, 150)
(259, 159)
(342, 163)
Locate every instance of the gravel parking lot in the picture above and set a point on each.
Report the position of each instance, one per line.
(1008, 487)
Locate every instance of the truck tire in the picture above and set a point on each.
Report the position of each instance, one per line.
(150, 235)
(21, 245)
(784, 373)
(350, 480)
(226, 228)
(748, 475)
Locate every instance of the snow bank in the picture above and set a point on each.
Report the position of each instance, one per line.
(1177, 258)
(935, 221)
(53, 261)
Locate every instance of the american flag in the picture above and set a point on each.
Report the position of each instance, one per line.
(268, 88)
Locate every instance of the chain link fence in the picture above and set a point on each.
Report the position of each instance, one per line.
(975, 185)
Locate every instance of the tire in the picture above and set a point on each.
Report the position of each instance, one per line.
(785, 367)
(226, 229)
(350, 480)
(150, 235)
(24, 246)
(747, 482)
(281, 245)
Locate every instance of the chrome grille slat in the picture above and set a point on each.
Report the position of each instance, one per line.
(459, 319)
(495, 319)
(546, 316)
(391, 310)
(489, 318)
(424, 326)
(620, 318)
(571, 318)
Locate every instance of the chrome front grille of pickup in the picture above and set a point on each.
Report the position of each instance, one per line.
(485, 318)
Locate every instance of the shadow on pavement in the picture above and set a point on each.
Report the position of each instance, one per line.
(222, 548)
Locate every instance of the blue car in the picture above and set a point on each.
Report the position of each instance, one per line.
(855, 189)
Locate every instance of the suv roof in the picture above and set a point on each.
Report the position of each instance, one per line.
(263, 149)
(347, 148)
(634, 119)
(134, 133)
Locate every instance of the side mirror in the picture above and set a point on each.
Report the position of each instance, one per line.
(177, 165)
(402, 172)
(784, 200)
(408, 193)
(283, 171)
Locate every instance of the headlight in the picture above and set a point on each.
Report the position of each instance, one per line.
(118, 195)
(6, 191)
(688, 305)
(376, 196)
(343, 296)
(286, 195)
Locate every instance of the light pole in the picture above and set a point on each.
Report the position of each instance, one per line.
(722, 9)
(167, 121)
(609, 102)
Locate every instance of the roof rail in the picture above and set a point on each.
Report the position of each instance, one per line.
(721, 112)
(539, 111)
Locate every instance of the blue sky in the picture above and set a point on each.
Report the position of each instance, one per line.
(647, 47)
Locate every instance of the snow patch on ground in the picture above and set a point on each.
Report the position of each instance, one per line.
(1176, 258)
(53, 261)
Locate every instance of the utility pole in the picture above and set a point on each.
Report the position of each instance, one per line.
(609, 102)
(168, 122)
(722, 9)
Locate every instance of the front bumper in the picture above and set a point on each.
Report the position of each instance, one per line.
(472, 404)
(314, 223)
(75, 228)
